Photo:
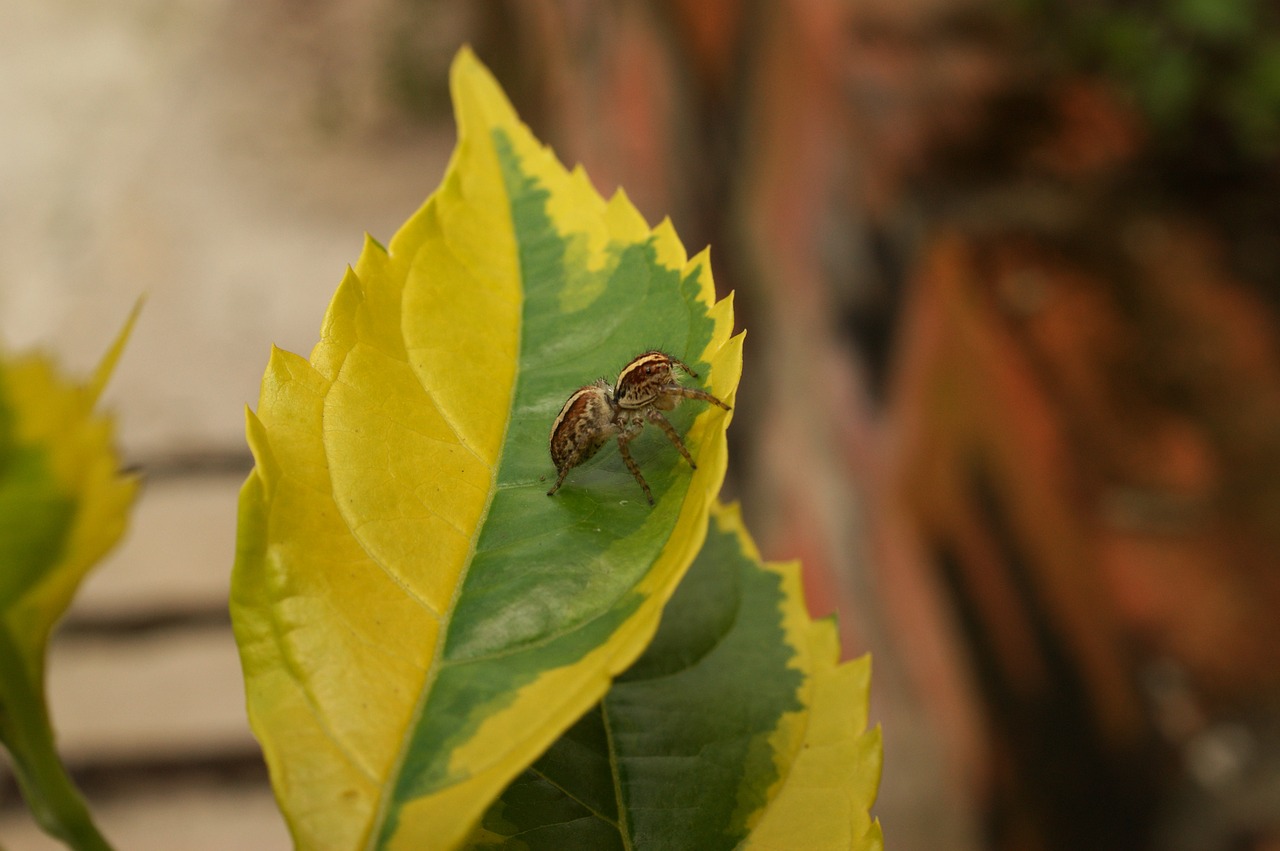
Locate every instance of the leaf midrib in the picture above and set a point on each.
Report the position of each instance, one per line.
(378, 824)
(624, 829)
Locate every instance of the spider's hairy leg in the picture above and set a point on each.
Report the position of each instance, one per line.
(655, 416)
(623, 439)
(694, 393)
(560, 479)
(684, 367)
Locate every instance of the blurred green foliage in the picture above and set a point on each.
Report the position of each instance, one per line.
(1198, 70)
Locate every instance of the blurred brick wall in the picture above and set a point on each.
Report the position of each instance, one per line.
(1016, 412)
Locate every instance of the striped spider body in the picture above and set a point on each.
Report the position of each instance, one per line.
(645, 388)
(651, 380)
(585, 423)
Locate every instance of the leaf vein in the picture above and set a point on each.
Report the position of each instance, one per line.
(623, 828)
(533, 769)
(323, 724)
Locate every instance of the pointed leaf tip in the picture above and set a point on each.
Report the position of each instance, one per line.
(108, 363)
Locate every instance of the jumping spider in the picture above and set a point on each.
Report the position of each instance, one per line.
(645, 388)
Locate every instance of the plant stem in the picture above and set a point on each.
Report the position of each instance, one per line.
(25, 730)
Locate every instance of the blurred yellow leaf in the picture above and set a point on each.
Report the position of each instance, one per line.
(63, 504)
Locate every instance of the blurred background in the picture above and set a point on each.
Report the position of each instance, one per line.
(1010, 271)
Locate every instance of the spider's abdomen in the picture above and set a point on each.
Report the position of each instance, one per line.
(583, 425)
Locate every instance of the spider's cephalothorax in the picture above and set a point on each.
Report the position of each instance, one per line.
(645, 388)
(650, 380)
